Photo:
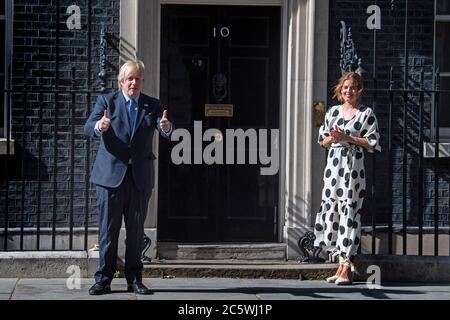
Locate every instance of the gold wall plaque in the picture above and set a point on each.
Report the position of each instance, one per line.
(319, 113)
(218, 110)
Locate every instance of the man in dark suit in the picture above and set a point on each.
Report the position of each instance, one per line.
(123, 172)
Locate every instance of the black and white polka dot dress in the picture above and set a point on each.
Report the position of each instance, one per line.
(338, 221)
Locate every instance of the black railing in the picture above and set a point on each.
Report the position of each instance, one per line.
(411, 167)
(25, 179)
(40, 194)
(44, 139)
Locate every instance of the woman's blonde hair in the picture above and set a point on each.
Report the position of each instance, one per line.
(129, 67)
(347, 76)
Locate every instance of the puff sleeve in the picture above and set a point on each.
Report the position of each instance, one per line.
(369, 130)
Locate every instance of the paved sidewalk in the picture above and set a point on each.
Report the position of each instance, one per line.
(221, 289)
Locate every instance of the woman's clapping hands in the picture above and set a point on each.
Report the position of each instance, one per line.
(339, 135)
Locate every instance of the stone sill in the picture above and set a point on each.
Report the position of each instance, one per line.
(398, 229)
(3, 143)
(444, 149)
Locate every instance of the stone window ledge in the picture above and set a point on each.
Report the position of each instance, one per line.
(3, 146)
(444, 149)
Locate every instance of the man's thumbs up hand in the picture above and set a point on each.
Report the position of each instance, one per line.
(164, 122)
(105, 122)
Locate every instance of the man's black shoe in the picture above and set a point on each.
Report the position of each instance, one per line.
(139, 288)
(98, 289)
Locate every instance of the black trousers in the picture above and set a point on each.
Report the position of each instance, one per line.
(128, 201)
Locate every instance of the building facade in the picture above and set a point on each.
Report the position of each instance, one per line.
(262, 69)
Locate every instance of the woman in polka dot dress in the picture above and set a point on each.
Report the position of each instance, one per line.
(347, 130)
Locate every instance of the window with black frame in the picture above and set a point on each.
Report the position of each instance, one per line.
(442, 62)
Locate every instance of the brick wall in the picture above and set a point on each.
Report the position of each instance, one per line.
(378, 53)
(34, 57)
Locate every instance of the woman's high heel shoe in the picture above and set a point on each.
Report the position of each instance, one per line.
(346, 274)
(336, 276)
(338, 272)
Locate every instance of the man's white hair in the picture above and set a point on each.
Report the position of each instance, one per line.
(129, 67)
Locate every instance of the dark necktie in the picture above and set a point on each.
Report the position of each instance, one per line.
(132, 114)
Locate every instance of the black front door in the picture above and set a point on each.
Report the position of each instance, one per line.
(220, 69)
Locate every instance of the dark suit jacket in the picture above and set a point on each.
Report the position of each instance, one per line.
(118, 146)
